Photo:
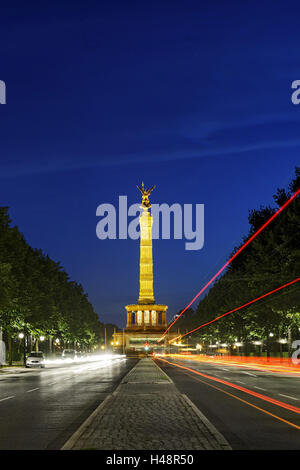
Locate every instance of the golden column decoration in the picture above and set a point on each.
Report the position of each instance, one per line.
(146, 295)
(146, 320)
(146, 260)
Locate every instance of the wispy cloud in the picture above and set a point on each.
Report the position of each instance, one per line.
(186, 139)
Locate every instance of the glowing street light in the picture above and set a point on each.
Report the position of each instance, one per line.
(42, 338)
(21, 335)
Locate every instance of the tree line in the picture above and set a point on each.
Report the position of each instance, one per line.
(270, 261)
(38, 299)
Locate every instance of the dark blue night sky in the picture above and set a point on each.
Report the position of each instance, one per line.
(194, 97)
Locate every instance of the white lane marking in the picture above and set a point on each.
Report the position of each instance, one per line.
(259, 388)
(288, 396)
(224, 369)
(7, 398)
(248, 373)
(32, 390)
(239, 382)
(52, 383)
(227, 378)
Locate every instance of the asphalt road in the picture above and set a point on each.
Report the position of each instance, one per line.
(246, 421)
(41, 409)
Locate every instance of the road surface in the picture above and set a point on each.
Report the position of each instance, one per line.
(245, 420)
(41, 409)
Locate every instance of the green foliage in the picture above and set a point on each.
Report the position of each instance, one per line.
(270, 261)
(36, 294)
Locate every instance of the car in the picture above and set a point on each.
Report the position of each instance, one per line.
(69, 354)
(36, 359)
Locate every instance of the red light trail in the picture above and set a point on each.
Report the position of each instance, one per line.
(263, 397)
(233, 257)
(282, 404)
(239, 308)
(279, 366)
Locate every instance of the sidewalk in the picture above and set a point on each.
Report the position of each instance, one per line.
(147, 412)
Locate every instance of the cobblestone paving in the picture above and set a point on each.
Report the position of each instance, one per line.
(148, 372)
(147, 412)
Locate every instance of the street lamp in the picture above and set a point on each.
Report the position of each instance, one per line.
(42, 338)
(22, 337)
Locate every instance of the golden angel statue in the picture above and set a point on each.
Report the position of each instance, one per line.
(145, 195)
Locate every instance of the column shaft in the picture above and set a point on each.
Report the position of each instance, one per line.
(146, 260)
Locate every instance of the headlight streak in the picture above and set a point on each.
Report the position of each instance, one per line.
(84, 365)
(94, 358)
(92, 364)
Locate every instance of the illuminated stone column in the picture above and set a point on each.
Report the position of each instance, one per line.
(146, 317)
(146, 261)
(153, 317)
(149, 316)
